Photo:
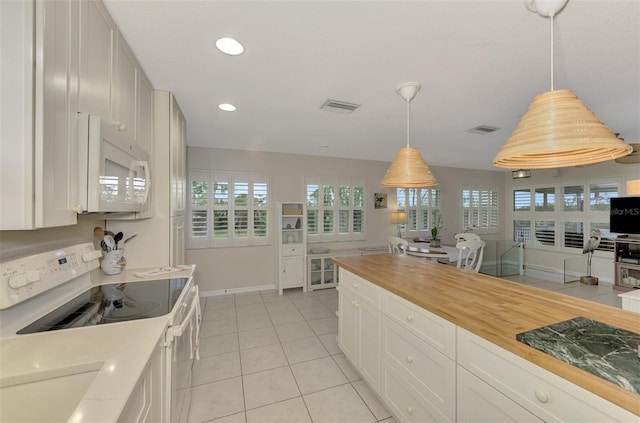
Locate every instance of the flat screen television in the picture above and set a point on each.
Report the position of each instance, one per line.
(624, 217)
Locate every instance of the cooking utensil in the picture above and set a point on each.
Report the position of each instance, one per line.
(98, 232)
(111, 244)
(118, 238)
(130, 238)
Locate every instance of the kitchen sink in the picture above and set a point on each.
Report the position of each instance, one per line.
(49, 396)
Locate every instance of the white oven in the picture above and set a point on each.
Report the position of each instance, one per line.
(113, 173)
(46, 293)
(182, 341)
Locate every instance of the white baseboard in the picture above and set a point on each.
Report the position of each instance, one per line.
(242, 290)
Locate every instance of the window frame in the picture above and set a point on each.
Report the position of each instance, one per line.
(492, 212)
(587, 218)
(425, 214)
(231, 205)
(337, 209)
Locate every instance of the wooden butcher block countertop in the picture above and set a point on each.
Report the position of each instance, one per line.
(496, 310)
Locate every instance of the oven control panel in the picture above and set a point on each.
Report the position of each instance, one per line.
(27, 277)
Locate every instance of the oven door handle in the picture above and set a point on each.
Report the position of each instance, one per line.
(178, 330)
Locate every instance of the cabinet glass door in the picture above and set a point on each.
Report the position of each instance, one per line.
(316, 271)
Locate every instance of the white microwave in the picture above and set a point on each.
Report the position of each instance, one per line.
(113, 173)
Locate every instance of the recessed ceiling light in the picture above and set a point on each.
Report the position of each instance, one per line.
(227, 107)
(229, 46)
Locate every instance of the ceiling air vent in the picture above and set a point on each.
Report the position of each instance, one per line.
(338, 106)
(483, 129)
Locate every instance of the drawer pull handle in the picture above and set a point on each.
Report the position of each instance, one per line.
(409, 359)
(355, 304)
(542, 396)
(410, 410)
(355, 285)
(409, 318)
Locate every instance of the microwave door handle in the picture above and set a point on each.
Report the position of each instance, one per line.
(147, 173)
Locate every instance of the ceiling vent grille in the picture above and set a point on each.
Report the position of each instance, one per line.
(337, 106)
(483, 129)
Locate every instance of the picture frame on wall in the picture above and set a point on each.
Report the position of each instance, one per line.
(380, 200)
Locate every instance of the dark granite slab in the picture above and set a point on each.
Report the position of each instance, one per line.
(600, 349)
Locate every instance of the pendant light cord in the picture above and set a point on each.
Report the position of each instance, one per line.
(551, 14)
(408, 118)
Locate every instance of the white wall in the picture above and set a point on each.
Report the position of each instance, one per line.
(551, 260)
(242, 267)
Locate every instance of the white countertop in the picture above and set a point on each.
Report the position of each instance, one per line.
(119, 351)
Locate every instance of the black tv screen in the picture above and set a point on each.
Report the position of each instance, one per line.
(625, 215)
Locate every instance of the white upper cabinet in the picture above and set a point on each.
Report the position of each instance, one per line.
(125, 91)
(178, 146)
(110, 75)
(98, 35)
(38, 143)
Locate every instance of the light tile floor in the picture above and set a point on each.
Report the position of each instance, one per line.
(271, 358)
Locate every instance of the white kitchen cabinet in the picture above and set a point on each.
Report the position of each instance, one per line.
(147, 403)
(359, 326)
(144, 114)
(430, 373)
(480, 403)
(291, 245)
(177, 241)
(323, 273)
(109, 74)
(178, 153)
(419, 348)
(124, 96)
(38, 143)
(292, 272)
(98, 33)
(540, 392)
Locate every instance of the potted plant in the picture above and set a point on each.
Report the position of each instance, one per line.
(435, 230)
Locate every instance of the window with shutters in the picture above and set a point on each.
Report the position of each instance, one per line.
(422, 206)
(228, 209)
(480, 209)
(564, 214)
(335, 209)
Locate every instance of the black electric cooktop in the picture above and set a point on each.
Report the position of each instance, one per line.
(113, 303)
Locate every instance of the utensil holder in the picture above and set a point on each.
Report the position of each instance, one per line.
(113, 262)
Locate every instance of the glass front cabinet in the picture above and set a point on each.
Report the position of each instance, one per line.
(323, 272)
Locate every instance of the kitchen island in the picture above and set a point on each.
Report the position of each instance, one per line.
(486, 307)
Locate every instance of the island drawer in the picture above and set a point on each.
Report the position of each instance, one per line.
(428, 371)
(544, 394)
(404, 402)
(364, 289)
(434, 330)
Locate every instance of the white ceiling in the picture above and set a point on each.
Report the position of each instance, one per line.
(479, 62)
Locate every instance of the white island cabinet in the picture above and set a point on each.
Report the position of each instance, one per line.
(359, 326)
(425, 368)
(522, 384)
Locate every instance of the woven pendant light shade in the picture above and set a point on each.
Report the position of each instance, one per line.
(408, 170)
(558, 130)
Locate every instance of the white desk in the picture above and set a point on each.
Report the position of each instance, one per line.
(422, 249)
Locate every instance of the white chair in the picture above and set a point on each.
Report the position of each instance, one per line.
(470, 254)
(395, 243)
(466, 236)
